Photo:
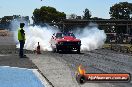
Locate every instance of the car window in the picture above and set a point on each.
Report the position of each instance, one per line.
(59, 35)
(69, 34)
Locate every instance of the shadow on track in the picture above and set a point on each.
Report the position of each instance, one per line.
(70, 52)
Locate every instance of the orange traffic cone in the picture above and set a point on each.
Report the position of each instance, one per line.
(38, 49)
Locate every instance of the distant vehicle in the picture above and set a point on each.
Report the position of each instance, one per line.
(65, 42)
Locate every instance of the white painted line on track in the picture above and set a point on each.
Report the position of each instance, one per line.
(18, 68)
(41, 78)
(3, 55)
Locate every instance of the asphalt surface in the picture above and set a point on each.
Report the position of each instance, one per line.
(13, 60)
(7, 40)
(60, 69)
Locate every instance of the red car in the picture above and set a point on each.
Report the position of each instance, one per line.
(65, 42)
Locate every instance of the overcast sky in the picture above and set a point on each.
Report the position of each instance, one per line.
(98, 8)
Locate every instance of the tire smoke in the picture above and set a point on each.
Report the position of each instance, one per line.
(34, 34)
(39, 34)
(91, 37)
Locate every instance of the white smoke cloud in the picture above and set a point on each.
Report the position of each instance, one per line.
(91, 37)
(14, 25)
(34, 34)
(39, 34)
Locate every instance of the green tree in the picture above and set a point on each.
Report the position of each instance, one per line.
(87, 14)
(73, 16)
(47, 15)
(122, 10)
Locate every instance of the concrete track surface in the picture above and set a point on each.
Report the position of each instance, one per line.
(60, 68)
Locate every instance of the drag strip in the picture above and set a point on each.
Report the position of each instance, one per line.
(61, 67)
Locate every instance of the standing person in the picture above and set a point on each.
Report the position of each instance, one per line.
(21, 38)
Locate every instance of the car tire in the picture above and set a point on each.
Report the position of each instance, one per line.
(57, 49)
(54, 50)
(78, 50)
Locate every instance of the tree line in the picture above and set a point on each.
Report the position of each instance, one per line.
(47, 14)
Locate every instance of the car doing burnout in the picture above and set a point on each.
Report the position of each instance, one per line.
(65, 42)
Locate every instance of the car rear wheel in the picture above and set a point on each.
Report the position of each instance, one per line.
(57, 49)
(54, 50)
(78, 50)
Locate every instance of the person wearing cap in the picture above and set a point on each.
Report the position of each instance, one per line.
(21, 38)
